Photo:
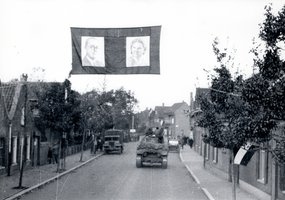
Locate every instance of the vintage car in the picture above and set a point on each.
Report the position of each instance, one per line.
(173, 145)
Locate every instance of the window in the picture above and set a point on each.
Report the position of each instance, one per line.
(215, 155)
(2, 152)
(14, 150)
(262, 166)
(28, 146)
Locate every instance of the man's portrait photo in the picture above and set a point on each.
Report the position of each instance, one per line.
(92, 51)
(137, 51)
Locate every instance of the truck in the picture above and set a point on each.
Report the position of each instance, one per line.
(113, 141)
(152, 151)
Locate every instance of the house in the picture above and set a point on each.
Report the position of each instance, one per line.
(174, 119)
(15, 139)
(262, 175)
(19, 137)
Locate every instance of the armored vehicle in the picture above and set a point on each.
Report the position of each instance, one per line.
(152, 151)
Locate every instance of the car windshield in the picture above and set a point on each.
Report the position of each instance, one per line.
(111, 138)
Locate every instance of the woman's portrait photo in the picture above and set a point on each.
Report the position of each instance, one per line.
(137, 51)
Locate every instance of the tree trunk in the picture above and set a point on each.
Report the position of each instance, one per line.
(230, 167)
(204, 155)
(233, 177)
(59, 156)
(82, 146)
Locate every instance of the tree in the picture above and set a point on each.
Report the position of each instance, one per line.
(109, 109)
(223, 112)
(247, 111)
(265, 91)
(58, 111)
(105, 110)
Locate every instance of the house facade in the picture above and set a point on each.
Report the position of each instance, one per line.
(174, 119)
(15, 139)
(19, 138)
(262, 175)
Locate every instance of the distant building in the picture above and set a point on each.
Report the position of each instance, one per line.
(173, 119)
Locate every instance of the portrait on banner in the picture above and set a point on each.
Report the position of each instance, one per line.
(92, 51)
(138, 51)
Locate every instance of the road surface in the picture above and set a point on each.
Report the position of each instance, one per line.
(116, 177)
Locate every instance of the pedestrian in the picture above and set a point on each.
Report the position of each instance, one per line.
(149, 132)
(55, 150)
(49, 156)
(99, 142)
(160, 135)
(95, 145)
(190, 142)
(184, 141)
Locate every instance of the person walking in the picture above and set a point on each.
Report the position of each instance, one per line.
(184, 141)
(95, 144)
(50, 155)
(190, 142)
(55, 150)
(99, 142)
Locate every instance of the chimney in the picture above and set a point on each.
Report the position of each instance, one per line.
(162, 104)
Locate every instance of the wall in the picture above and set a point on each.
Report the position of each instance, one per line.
(182, 122)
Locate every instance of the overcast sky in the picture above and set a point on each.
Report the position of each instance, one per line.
(36, 34)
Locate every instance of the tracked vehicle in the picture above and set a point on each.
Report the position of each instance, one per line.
(151, 151)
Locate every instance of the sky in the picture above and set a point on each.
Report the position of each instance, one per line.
(35, 34)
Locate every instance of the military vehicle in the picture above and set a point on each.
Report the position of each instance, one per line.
(113, 141)
(152, 151)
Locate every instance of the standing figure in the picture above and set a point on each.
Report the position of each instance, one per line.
(99, 142)
(50, 155)
(190, 142)
(55, 150)
(149, 132)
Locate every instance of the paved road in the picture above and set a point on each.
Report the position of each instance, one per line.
(116, 177)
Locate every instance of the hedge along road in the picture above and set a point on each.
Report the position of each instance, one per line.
(115, 176)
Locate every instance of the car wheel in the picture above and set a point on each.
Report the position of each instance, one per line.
(139, 161)
(164, 163)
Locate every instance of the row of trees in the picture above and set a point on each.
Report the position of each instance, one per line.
(240, 111)
(63, 110)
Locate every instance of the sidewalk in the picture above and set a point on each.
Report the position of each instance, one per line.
(214, 187)
(39, 174)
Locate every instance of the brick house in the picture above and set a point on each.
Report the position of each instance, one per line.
(19, 138)
(15, 139)
(261, 176)
(173, 118)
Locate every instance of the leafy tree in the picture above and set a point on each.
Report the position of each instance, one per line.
(265, 91)
(108, 109)
(58, 110)
(240, 111)
(223, 112)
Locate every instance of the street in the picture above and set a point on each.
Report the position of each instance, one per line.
(115, 176)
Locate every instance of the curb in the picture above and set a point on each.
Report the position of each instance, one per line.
(19, 194)
(205, 191)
